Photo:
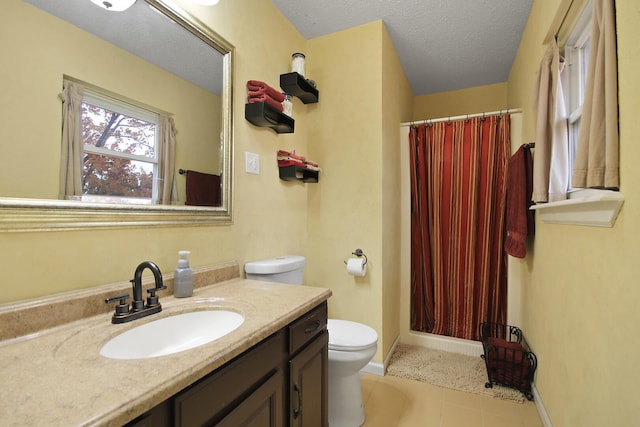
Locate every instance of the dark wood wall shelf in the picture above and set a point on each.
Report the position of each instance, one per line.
(296, 85)
(263, 115)
(297, 173)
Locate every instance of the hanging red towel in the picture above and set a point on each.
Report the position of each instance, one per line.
(520, 220)
(203, 189)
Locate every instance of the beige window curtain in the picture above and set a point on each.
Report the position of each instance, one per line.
(166, 163)
(597, 154)
(551, 162)
(72, 146)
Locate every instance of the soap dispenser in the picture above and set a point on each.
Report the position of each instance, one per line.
(183, 277)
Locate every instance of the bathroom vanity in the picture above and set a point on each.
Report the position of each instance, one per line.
(280, 381)
(271, 370)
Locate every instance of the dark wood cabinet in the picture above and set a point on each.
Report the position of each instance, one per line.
(308, 384)
(262, 408)
(282, 381)
(160, 416)
(211, 399)
(308, 369)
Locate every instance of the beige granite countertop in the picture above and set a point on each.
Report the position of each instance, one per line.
(56, 377)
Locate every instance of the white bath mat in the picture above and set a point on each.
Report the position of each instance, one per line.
(444, 369)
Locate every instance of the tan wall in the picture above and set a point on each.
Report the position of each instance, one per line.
(396, 108)
(580, 288)
(344, 209)
(349, 137)
(460, 102)
(44, 49)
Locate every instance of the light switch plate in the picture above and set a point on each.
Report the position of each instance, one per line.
(251, 163)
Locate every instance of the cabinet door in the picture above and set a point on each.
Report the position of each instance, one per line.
(262, 408)
(218, 394)
(308, 385)
(160, 416)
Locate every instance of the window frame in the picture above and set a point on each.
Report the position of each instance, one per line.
(112, 102)
(575, 51)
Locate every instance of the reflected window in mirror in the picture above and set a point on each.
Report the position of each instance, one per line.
(115, 151)
(120, 156)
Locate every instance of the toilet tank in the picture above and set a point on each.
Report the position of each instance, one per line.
(283, 269)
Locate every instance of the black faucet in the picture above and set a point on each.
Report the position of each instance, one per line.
(138, 303)
(138, 308)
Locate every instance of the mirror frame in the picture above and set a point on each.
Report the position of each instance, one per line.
(19, 215)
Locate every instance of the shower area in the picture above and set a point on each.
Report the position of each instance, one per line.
(450, 330)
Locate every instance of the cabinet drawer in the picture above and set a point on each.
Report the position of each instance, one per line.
(307, 327)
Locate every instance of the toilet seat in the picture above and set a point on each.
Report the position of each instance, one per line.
(345, 335)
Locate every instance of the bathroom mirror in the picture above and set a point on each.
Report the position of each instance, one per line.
(184, 69)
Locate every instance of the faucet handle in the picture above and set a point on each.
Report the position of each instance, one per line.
(122, 307)
(152, 299)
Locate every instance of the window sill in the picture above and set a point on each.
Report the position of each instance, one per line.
(596, 208)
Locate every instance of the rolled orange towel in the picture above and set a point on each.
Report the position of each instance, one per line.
(283, 153)
(290, 162)
(267, 99)
(257, 87)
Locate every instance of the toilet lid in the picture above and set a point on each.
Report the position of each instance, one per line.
(346, 335)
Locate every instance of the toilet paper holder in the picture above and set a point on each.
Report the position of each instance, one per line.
(358, 253)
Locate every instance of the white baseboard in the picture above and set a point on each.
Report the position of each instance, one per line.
(381, 368)
(454, 345)
(374, 368)
(439, 342)
(544, 417)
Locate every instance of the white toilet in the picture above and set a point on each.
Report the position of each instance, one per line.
(351, 345)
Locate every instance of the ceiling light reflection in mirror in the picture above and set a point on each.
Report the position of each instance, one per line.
(114, 5)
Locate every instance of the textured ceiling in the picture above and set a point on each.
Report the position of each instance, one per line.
(443, 45)
(144, 32)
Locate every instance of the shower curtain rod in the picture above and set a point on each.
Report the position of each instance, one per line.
(466, 116)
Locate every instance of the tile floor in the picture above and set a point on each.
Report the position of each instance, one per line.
(391, 401)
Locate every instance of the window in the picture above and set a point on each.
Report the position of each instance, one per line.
(120, 156)
(592, 207)
(574, 77)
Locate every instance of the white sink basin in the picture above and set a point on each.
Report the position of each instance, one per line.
(172, 334)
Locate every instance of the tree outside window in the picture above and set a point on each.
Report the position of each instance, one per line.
(120, 151)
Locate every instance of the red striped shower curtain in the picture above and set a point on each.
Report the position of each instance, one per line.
(458, 192)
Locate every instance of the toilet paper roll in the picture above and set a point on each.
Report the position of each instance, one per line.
(356, 267)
